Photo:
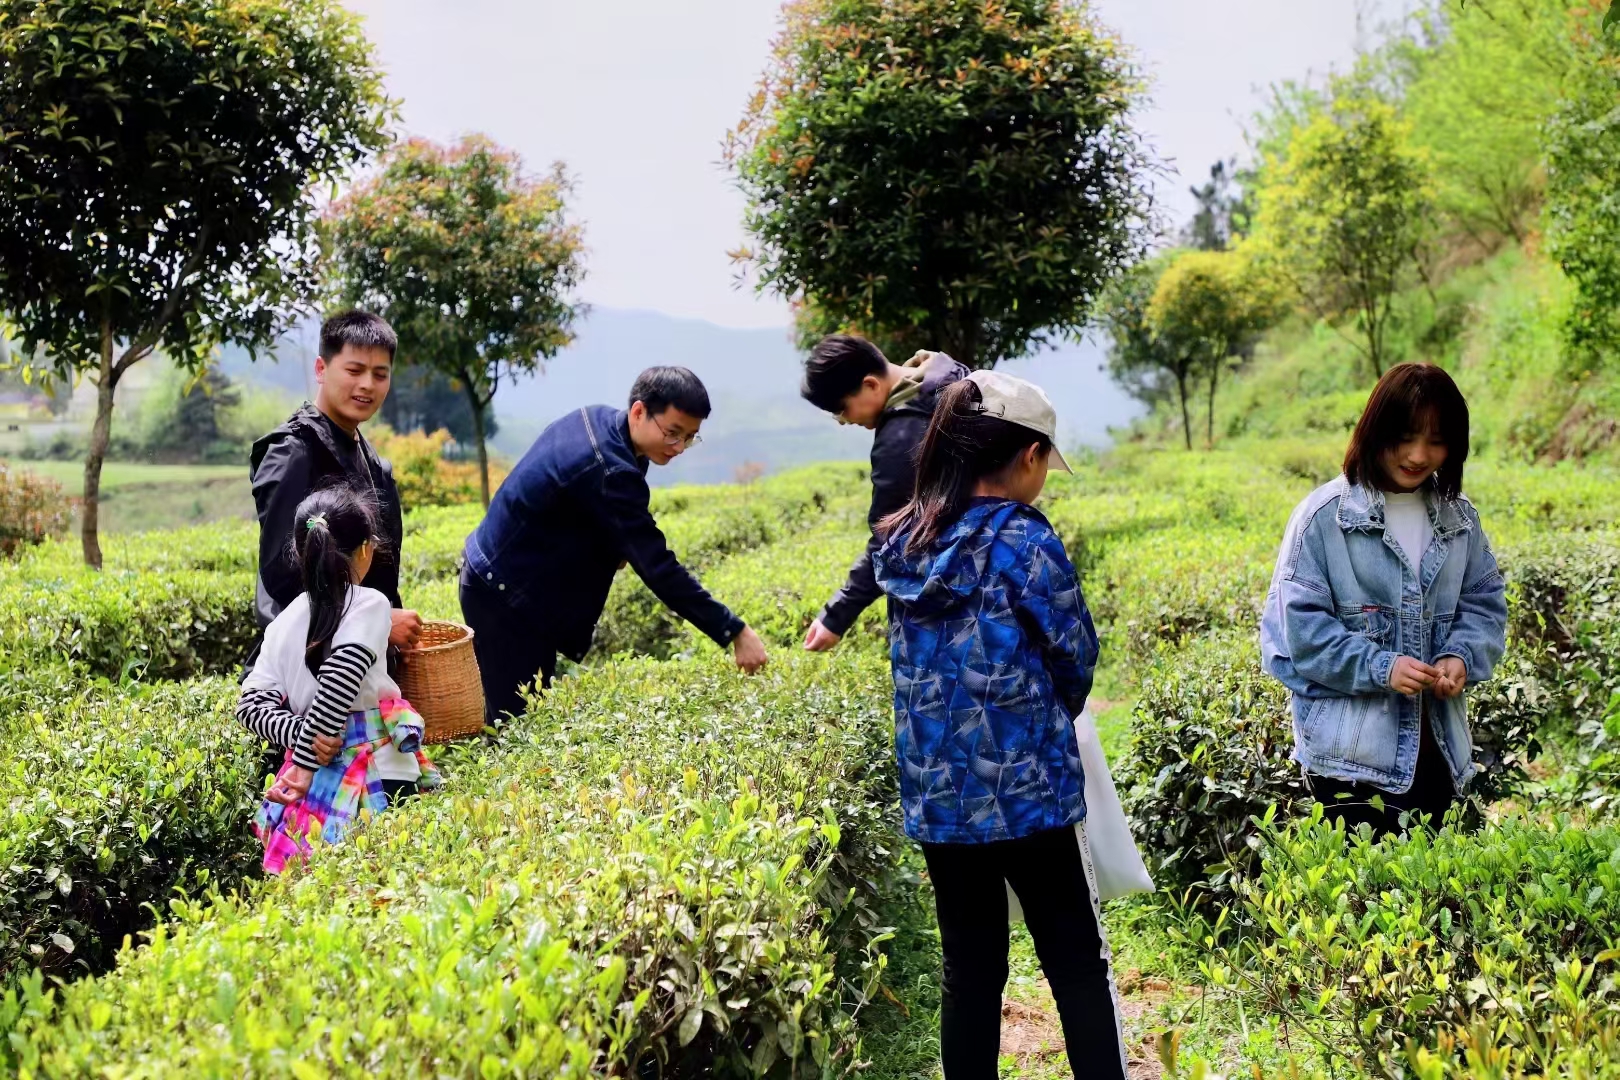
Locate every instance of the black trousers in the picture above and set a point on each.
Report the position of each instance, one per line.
(510, 654)
(1050, 874)
(1432, 792)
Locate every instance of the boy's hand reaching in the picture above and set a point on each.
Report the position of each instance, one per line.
(1411, 677)
(292, 786)
(819, 639)
(1453, 677)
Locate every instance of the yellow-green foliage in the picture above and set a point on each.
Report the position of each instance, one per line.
(669, 864)
(661, 863)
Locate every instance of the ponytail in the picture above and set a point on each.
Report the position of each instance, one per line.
(962, 446)
(329, 528)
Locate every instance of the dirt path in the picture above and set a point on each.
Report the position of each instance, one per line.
(1033, 1038)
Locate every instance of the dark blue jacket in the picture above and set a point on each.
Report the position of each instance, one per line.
(563, 520)
(993, 652)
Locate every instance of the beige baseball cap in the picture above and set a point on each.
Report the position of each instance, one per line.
(1024, 404)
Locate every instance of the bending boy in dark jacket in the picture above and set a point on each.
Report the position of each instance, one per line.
(850, 377)
(574, 510)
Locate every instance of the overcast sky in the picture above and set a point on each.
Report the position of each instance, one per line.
(636, 96)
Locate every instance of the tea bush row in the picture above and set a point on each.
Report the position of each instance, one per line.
(825, 496)
(1211, 745)
(172, 625)
(1438, 953)
(781, 588)
(111, 797)
(663, 867)
(220, 546)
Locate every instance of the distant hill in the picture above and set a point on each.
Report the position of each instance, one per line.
(753, 381)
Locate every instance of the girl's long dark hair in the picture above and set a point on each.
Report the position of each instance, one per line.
(962, 446)
(1406, 400)
(329, 527)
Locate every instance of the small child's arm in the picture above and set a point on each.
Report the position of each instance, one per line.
(337, 684)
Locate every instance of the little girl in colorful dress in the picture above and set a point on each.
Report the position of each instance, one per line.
(320, 689)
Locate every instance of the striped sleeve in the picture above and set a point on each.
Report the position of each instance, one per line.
(264, 712)
(337, 687)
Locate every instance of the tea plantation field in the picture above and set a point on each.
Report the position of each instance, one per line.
(668, 868)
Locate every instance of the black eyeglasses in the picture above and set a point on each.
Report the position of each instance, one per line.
(677, 439)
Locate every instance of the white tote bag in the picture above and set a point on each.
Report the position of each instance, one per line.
(1116, 865)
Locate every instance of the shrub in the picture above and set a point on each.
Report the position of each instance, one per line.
(657, 869)
(1210, 742)
(32, 510)
(109, 799)
(220, 547)
(424, 476)
(434, 539)
(1174, 584)
(1379, 948)
(164, 626)
(779, 589)
(702, 529)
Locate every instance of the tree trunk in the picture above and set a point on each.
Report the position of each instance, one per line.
(1186, 420)
(100, 435)
(1214, 377)
(478, 434)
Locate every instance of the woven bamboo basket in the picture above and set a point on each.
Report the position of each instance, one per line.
(440, 680)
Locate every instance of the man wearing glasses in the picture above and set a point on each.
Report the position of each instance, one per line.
(536, 571)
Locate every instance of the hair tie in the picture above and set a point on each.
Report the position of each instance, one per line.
(314, 520)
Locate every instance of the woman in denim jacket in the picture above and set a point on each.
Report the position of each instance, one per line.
(993, 653)
(1386, 604)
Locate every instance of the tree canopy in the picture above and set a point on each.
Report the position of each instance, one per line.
(156, 170)
(472, 260)
(1343, 211)
(1151, 364)
(1211, 305)
(952, 174)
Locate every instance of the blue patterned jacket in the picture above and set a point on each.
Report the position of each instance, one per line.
(993, 652)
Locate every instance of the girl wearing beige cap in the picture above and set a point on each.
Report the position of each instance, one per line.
(993, 652)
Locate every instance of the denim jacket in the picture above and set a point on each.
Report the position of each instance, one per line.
(1345, 603)
(993, 652)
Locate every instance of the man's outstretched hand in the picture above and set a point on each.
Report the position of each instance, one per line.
(749, 650)
(406, 630)
(819, 639)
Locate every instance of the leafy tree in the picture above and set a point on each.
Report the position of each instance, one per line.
(1583, 197)
(952, 173)
(157, 165)
(1147, 362)
(425, 399)
(184, 417)
(1223, 210)
(471, 260)
(1217, 299)
(1342, 214)
(1478, 100)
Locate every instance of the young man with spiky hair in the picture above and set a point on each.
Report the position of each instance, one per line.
(536, 571)
(850, 377)
(321, 445)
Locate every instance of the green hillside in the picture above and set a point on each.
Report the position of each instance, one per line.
(1495, 325)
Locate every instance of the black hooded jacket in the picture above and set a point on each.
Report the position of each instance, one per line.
(899, 433)
(307, 453)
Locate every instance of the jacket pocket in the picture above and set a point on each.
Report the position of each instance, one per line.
(1371, 622)
(1360, 730)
